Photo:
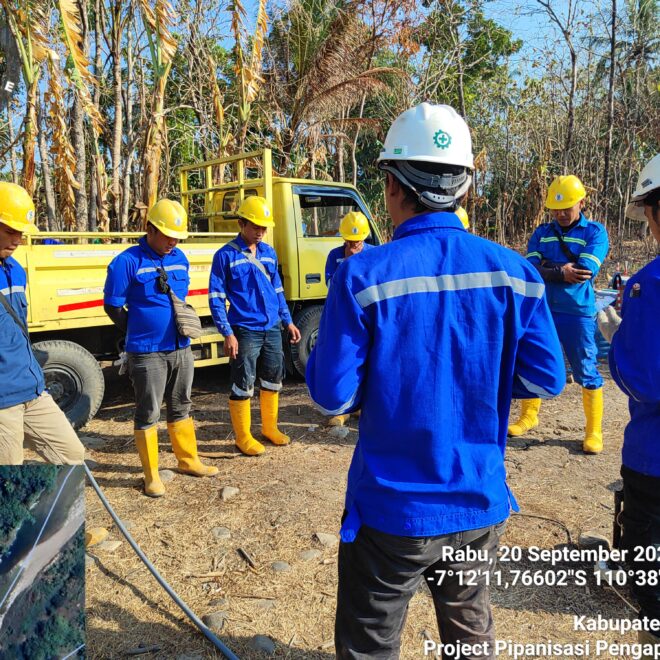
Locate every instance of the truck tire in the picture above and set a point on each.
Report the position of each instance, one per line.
(73, 378)
(307, 320)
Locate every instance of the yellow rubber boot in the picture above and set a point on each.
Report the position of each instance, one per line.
(269, 401)
(338, 420)
(240, 420)
(592, 400)
(147, 445)
(529, 417)
(184, 444)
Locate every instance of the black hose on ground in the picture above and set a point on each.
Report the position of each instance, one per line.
(173, 595)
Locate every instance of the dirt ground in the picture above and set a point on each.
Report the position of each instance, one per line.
(292, 492)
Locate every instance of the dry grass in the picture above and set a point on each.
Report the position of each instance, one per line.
(292, 492)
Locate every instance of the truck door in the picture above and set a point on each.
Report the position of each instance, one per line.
(319, 210)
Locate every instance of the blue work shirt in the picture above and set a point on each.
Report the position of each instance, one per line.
(22, 379)
(431, 336)
(635, 366)
(132, 281)
(256, 301)
(588, 241)
(335, 257)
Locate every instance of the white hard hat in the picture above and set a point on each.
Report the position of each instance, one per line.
(429, 150)
(649, 180)
(430, 133)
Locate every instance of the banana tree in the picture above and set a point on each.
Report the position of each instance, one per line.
(77, 68)
(162, 45)
(247, 66)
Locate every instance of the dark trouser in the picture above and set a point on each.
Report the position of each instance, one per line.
(641, 529)
(166, 374)
(379, 573)
(259, 354)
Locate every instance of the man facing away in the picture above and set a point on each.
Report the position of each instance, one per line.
(430, 335)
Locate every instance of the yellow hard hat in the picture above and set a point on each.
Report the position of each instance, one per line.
(17, 208)
(564, 192)
(463, 216)
(169, 217)
(257, 211)
(354, 226)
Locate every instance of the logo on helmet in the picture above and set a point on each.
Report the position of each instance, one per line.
(559, 197)
(266, 213)
(178, 221)
(354, 230)
(30, 216)
(441, 139)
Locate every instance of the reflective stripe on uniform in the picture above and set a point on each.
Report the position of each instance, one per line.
(338, 411)
(217, 294)
(238, 262)
(12, 289)
(441, 283)
(596, 260)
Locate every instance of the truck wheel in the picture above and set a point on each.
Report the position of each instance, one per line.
(307, 320)
(73, 378)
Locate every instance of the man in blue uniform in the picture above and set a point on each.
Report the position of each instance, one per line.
(635, 366)
(568, 252)
(354, 229)
(28, 414)
(160, 361)
(244, 272)
(430, 335)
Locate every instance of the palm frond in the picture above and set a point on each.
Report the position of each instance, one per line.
(257, 51)
(71, 21)
(158, 20)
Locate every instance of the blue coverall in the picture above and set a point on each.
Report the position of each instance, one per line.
(635, 366)
(573, 306)
(335, 257)
(430, 336)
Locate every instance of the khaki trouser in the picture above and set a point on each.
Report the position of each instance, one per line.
(43, 427)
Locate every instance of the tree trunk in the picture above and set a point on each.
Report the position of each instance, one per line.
(355, 141)
(153, 146)
(78, 140)
(12, 149)
(610, 107)
(45, 170)
(78, 143)
(119, 123)
(98, 70)
(571, 108)
(30, 138)
(128, 103)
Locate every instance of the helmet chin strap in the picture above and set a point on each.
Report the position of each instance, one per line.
(433, 201)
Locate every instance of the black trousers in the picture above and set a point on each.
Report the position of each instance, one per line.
(379, 573)
(641, 536)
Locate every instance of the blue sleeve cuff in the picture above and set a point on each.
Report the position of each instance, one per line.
(114, 301)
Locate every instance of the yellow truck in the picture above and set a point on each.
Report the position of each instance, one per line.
(66, 271)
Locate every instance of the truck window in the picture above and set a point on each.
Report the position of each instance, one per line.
(230, 200)
(321, 214)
